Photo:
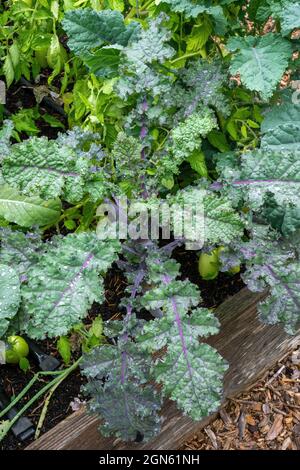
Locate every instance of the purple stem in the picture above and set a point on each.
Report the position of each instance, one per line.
(167, 281)
(129, 309)
(245, 182)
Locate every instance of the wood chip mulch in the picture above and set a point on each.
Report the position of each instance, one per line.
(266, 417)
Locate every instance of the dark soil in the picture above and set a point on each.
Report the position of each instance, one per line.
(20, 96)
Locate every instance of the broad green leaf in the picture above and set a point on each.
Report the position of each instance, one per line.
(281, 128)
(260, 61)
(9, 296)
(104, 62)
(197, 162)
(27, 211)
(289, 16)
(88, 29)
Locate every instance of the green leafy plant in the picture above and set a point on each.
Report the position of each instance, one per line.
(180, 103)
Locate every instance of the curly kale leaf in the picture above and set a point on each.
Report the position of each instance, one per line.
(262, 173)
(221, 222)
(5, 136)
(193, 8)
(53, 168)
(190, 373)
(20, 250)
(276, 266)
(137, 71)
(260, 60)
(64, 283)
(9, 296)
(88, 29)
(187, 136)
(117, 382)
(199, 85)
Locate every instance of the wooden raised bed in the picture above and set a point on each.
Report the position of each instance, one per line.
(250, 347)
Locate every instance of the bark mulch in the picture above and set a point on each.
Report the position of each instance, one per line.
(266, 417)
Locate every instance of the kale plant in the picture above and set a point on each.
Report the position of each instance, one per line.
(187, 101)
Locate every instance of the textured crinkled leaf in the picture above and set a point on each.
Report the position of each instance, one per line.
(281, 128)
(193, 378)
(39, 166)
(88, 29)
(27, 211)
(130, 412)
(269, 172)
(185, 293)
(136, 72)
(260, 61)
(65, 282)
(161, 331)
(5, 135)
(128, 406)
(9, 296)
(20, 249)
(185, 359)
(221, 222)
(278, 269)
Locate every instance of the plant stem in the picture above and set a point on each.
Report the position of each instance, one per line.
(61, 375)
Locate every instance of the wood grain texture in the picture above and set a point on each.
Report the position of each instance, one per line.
(251, 349)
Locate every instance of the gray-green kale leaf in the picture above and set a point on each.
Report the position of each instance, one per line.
(20, 250)
(260, 60)
(64, 283)
(264, 173)
(42, 167)
(275, 266)
(9, 296)
(117, 382)
(281, 128)
(88, 29)
(191, 373)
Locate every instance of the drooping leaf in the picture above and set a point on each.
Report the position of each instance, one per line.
(27, 211)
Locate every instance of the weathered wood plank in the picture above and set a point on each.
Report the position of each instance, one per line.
(251, 349)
